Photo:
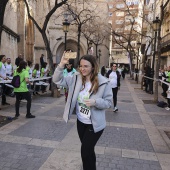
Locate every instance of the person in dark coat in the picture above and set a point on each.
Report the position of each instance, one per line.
(103, 71)
(147, 81)
(18, 60)
(42, 62)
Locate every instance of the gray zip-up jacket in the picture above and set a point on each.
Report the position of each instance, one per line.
(103, 97)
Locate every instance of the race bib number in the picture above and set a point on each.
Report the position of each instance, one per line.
(84, 111)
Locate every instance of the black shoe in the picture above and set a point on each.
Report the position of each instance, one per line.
(17, 115)
(30, 116)
(37, 93)
(5, 103)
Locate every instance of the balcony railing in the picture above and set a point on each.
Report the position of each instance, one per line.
(165, 40)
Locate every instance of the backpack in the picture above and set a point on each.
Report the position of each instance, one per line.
(16, 81)
(162, 104)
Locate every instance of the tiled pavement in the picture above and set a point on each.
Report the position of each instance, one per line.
(134, 138)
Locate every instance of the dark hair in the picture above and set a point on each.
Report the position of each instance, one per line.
(113, 63)
(94, 74)
(29, 63)
(1, 57)
(22, 65)
(37, 66)
(103, 71)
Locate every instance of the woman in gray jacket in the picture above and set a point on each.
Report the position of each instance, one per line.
(91, 94)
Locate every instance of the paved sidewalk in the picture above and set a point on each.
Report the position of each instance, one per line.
(134, 138)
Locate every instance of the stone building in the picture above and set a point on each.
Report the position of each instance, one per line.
(18, 34)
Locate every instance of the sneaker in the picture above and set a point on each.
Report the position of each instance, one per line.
(30, 116)
(115, 109)
(167, 108)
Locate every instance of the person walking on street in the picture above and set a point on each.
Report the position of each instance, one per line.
(90, 93)
(123, 72)
(22, 91)
(114, 77)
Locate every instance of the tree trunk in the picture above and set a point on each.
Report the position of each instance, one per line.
(96, 51)
(142, 69)
(78, 44)
(50, 59)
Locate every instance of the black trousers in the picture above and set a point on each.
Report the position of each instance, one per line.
(88, 141)
(168, 100)
(115, 90)
(3, 93)
(23, 95)
(164, 88)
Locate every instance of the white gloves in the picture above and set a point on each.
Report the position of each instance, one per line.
(90, 102)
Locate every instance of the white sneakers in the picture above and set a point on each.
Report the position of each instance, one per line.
(115, 109)
(167, 108)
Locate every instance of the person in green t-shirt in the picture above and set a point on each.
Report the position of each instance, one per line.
(22, 92)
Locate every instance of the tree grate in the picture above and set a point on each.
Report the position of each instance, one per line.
(148, 102)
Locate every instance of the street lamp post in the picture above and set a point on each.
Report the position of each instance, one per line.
(137, 65)
(155, 29)
(66, 25)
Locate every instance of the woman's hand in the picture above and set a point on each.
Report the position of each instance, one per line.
(64, 60)
(90, 102)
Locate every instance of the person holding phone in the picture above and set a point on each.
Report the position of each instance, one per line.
(89, 93)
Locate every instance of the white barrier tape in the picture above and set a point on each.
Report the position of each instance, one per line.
(150, 78)
(158, 80)
(165, 82)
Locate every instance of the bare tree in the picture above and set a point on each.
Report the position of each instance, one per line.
(42, 24)
(96, 32)
(128, 37)
(81, 14)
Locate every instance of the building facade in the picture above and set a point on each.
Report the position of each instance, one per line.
(23, 37)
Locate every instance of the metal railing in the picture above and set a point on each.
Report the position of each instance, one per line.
(165, 40)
